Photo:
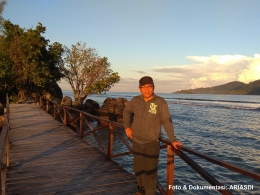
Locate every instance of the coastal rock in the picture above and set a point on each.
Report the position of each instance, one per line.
(51, 97)
(77, 105)
(46, 94)
(26, 100)
(92, 106)
(54, 90)
(56, 100)
(112, 109)
(66, 101)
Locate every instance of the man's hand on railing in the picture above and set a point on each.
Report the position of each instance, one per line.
(176, 144)
(129, 132)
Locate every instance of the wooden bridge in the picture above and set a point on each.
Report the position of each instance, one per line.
(47, 157)
(40, 155)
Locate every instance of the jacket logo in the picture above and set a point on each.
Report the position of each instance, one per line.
(153, 108)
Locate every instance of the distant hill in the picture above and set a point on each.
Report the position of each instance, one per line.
(235, 87)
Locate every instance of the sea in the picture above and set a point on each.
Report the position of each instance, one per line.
(225, 127)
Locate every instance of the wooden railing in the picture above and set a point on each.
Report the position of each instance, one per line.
(79, 120)
(4, 148)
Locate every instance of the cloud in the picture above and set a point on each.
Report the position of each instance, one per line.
(207, 71)
(126, 85)
(141, 72)
(252, 71)
(218, 59)
(176, 76)
(215, 70)
(184, 69)
(161, 85)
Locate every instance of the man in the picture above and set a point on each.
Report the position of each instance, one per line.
(149, 112)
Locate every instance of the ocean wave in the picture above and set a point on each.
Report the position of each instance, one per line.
(244, 107)
(214, 100)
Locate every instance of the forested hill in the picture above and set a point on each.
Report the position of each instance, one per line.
(236, 87)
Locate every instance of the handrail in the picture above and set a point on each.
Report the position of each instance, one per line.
(199, 169)
(224, 164)
(4, 148)
(65, 116)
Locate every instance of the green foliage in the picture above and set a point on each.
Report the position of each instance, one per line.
(86, 72)
(103, 84)
(236, 88)
(13, 98)
(53, 58)
(7, 76)
(2, 5)
(27, 61)
(252, 88)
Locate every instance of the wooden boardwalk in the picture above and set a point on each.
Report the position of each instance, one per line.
(49, 158)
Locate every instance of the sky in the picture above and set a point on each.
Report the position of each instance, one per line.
(181, 44)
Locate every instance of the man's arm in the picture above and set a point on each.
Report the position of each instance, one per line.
(127, 120)
(176, 144)
(129, 132)
(168, 126)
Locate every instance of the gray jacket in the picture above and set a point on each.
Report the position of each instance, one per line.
(148, 118)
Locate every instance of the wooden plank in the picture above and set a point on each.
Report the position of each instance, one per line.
(49, 158)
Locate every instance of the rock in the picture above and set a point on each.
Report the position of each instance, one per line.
(49, 96)
(77, 105)
(26, 100)
(66, 101)
(56, 100)
(46, 94)
(92, 106)
(112, 109)
(54, 90)
(123, 101)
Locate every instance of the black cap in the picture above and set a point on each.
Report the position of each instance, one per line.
(145, 80)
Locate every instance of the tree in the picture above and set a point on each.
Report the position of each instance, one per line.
(29, 63)
(2, 5)
(86, 72)
(7, 76)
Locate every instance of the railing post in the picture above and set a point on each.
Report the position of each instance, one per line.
(47, 105)
(37, 99)
(64, 116)
(80, 124)
(3, 180)
(170, 171)
(54, 111)
(3, 172)
(40, 101)
(110, 141)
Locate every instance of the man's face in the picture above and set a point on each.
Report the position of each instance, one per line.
(147, 91)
